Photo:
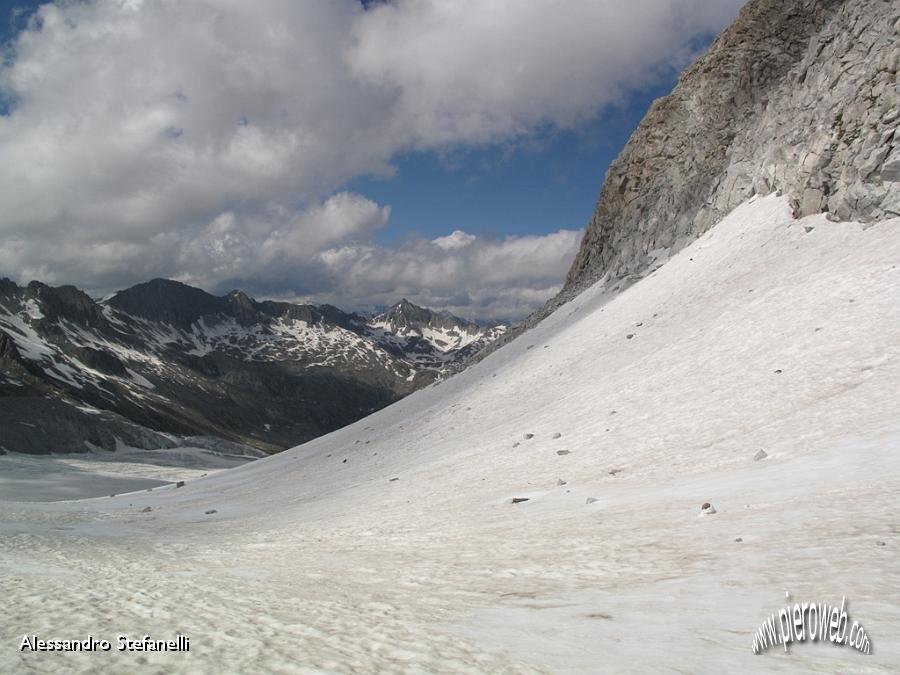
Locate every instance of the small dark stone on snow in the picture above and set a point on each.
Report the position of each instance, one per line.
(778, 372)
(761, 454)
(210, 512)
(146, 509)
(560, 481)
(393, 479)
(516, 444)
(707, 508)
(519, 500)
(629, 336)
(591, 500)
(738, 539)
(562, 452)
(528, 436)
(880, 543)
(179, 484)
(613, 472)
(344, 461)
(808, 228)
(557, 435)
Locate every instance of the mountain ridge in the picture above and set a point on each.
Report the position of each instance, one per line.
(163, 358)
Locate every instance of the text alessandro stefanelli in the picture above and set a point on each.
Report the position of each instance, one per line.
(123, 643)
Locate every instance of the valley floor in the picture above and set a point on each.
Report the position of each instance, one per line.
(767, 333)
(42, 478)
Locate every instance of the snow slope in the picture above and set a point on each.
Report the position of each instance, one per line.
(766, 333)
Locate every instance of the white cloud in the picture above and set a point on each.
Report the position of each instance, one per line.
(206, 140)
(453, 241)
(481, 278)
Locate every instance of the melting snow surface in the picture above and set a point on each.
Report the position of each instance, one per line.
(760, 335)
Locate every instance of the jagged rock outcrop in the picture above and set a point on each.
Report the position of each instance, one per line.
(799, 96)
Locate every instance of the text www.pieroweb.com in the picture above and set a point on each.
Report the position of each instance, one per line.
(812, 622)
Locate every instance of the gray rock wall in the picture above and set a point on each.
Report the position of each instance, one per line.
(800, 96)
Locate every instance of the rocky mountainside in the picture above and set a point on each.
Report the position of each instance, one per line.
(424, 336)
(799, 96)
(163, 360)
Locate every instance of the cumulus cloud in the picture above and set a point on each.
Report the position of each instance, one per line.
(472, 276)
(212, 140)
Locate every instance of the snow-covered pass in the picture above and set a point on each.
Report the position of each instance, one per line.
(809, 621)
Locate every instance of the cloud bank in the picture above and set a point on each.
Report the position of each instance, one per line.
(211, 141)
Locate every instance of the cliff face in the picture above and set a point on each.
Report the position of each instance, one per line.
(800, 96)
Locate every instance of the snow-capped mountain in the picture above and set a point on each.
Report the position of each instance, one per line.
(432, 339)
(172, 358)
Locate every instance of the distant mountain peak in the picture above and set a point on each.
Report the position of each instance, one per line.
(167, 356)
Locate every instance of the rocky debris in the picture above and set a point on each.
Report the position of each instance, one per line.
(629, 336)
(516, 444)
(778, 371)
(562, 453)
(147, 509)
(519, 500)
(738, 539)
(880, 543)
(613, 472)
(179, 484)
(528, 437)
(760, 455)
(210, 512)
(560, 481)
(556, 435)
(344, 461)
(707, 508)
(392, 480)
(591, 500)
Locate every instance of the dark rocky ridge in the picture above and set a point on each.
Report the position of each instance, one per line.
(163, 360)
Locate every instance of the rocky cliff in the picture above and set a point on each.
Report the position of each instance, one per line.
(799, 96)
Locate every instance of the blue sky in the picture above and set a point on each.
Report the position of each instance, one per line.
(318, 151)
(535, 187)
